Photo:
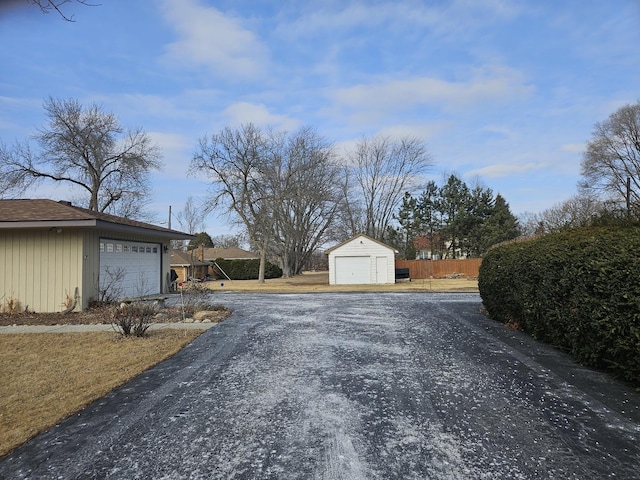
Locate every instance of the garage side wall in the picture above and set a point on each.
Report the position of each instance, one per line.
(40, 269)
(363, 247)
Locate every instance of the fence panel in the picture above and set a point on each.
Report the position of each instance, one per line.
(467, 267)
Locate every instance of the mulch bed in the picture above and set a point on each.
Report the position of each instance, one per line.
(91, 316)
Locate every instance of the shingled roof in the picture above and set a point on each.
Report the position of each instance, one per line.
(43, 213)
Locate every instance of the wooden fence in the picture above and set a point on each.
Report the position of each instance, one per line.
(467, 267)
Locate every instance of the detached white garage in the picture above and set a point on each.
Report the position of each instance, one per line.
(361, 260)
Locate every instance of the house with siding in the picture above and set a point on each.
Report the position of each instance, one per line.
(55, 256)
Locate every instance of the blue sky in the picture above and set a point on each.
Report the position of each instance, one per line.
(506, 92)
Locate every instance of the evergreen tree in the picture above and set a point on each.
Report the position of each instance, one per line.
(409, 222)
(203, 239)
(454, 206)
(428, 214)
(500, 226)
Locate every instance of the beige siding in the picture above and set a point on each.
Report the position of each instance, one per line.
(40, 268)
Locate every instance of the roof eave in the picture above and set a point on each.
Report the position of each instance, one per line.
(48, 224)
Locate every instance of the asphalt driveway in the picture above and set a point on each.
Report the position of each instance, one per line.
(351, 386)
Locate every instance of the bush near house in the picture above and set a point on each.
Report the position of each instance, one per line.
(248, 269)
(578, 290)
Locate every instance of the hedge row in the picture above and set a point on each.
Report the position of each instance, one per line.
(248, 269)
(577, 290)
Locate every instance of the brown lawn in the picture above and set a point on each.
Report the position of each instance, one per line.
(45, 377)
(310, 282)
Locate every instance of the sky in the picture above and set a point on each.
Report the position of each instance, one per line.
(504, 92)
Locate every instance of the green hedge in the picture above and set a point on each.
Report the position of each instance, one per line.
(248, 269)
(578, 290)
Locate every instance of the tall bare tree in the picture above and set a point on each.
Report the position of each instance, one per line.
(611, 164)
(305, 179)
(235, 161)
(284, 188)
(191, 218)
(382, 170)
(88, 149)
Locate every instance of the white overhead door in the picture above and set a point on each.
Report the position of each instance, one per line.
(130, 269)
(353, 270)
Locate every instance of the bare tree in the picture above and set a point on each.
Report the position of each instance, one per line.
(191, 218)
(577, 211)
(611, 164)
(229, 241)
(283, 187)
(88, 149)
(384, 169)
(47, 6)
(235, 162)
(305, 180)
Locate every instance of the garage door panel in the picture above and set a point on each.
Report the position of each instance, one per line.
(353, 270)
(130, 268)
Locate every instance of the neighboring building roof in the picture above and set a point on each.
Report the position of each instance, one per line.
(43, 213)
(229, 254)
(327, 252)
(179, 258)
(425, 242)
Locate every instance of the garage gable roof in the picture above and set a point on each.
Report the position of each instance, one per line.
(361, 235)
(43, 213)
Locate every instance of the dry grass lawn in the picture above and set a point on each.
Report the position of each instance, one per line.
(314, 282)
(47, 377)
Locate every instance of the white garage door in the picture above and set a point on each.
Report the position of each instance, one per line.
(353, 270)
(130, 269)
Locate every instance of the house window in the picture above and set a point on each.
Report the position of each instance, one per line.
(109, 247)
(134, 249)
(148, 249)
(118, 248)
(101, 247)
(155, 249)
(126, 249)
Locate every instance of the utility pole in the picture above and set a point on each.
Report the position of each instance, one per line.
(169, 223)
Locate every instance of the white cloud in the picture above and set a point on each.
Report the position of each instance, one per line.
(573, 147)
(456, 17)
(177, 151)
(244, 112)
(506, 169)
(490, 84)
(206, 37)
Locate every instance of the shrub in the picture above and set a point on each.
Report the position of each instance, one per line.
(578, 290)
(132, 319)
(195, 297)
(248, 269)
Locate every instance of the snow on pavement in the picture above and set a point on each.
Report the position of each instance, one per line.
(345, 386)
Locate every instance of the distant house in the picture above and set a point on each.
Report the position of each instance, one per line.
(361, 260)
(199, 262)
(432, 247)
(211, 254)
(55, 256)
(429, 247)
(188, 266)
